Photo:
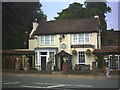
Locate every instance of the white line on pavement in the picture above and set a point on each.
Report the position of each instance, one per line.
(64, 84)
(56, 86)
(10, 83)
(31, 86)
(84, 85)
(47, 83)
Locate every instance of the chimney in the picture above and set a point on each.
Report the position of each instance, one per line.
(96, 17)
(35, 25)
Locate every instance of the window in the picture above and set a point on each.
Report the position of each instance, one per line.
(81, 57)
(81, 38)
(75, 38)
(111, 61)
(116, 61)
(47, 40)
(86, 38)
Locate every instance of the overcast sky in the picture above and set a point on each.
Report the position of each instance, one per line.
(51, 9)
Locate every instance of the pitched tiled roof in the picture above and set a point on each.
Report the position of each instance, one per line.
(16, 52)
(108, 50)
(112, 38)
(67, 26)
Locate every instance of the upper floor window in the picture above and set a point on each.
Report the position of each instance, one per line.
(81, 38)
(47, 40)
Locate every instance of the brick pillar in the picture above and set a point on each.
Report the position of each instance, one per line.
(49, 68)
(17, 66)
(65, 67)
(94, 67)
(26, 67)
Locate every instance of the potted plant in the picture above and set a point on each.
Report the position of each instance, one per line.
(88, 52)
(74, 52)
(65, 59)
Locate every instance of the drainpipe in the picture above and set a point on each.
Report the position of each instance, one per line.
(99, 33)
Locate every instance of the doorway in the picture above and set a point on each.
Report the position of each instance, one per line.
(43, 62)
(61, 62)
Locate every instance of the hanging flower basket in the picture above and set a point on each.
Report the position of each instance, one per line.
(88, 52)
(65, 59)
(95, 58)
(74, 52)
(106, 57)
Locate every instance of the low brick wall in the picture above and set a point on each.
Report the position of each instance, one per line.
(78, 72)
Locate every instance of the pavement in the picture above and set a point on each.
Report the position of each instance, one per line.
(60, 75)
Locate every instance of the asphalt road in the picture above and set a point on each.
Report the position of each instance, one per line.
(21, 81)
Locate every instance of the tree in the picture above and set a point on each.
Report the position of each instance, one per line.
(100, 8)
(76, 10)
(17, 20)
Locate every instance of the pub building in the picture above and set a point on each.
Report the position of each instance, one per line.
(59, 41)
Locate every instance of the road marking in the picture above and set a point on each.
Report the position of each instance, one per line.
(56, 86)
(84, 85)
(41, 87)
(10, 83)
(31, 86)
(47, 83)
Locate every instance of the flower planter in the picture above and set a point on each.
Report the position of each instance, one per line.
(74, 52)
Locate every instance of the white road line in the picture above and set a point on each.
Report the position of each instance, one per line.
(84, 85)
(31, 86)
(10, 83)
(41, 87)
(56, 86)
(47, 83)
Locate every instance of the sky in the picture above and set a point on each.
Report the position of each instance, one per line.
(53, 7)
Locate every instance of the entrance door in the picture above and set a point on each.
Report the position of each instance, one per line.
(61, 62)
(43, 62)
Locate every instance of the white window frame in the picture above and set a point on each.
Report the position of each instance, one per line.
(111, 64)
(77, 42)
(78, 57)
(118, 56)
(51, 42)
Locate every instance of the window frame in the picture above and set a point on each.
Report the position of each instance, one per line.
(78, 62)
(78, 37)
(46, 41)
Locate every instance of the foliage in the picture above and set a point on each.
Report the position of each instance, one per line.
(88, 52)
(17, 20)
(106, 57)
(90, 9)
(100, 61)
(74, 52)
(95, 58)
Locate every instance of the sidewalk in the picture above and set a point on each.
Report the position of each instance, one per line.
(57, 75)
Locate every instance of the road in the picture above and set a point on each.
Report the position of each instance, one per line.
(21, 81)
